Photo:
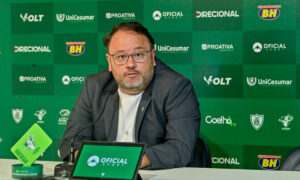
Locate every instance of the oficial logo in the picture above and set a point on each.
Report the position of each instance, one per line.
(106, 161)
(257, 121)
(40, 115)
(217, 47)
(17, 115)
(32, 49)
(269, 12)
(253, 81)
(32, 17)
(66, 80)
(157, 15)
(74, 18)
(171, 49)
(64, 116)
(224, 81)
(286, 120)
(225, 160)
(217, 14)
(220, 120)
(33, 79)
(259, 47)
(124, 16)
(269, 161)
(75, 48)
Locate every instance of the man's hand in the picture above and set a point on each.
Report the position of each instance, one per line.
(145, 162)
(75, 153)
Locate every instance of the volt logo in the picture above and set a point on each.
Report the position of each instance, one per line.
(32, 18)
(75, 48)
(269, 12)
(217, 81)
(269, 162)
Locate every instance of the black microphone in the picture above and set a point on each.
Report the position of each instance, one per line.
(64, 169)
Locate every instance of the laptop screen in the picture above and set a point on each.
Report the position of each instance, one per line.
(108, 160)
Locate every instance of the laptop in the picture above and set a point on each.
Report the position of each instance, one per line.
(108, 160)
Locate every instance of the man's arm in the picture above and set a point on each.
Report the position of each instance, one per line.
(182, 128)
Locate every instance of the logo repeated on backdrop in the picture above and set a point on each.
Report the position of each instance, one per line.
(75, 17)
(225, 15)
(222, 120)
(269, 12)
(64, 115)
(17, 115)
(286, 120)
(40, 114)
(269, 161)
(269, 81)
(29, 79)
(32, 49)
(168, 17)
(225, 160)
(173, 50)
(257, 120)
(269, 47)
(217, 47)
(75, 49)
(218, 81)
(113, 12)
(66, 79)
(31, 18)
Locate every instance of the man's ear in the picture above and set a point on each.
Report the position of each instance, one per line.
(108, 57)
(153, 57)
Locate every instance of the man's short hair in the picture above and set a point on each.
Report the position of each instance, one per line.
(130, 26)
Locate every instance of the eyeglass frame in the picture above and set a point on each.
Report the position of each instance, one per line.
(128, 55)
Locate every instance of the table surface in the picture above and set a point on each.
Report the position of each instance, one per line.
(176, 173)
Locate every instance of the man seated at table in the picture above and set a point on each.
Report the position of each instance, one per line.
(142, 100)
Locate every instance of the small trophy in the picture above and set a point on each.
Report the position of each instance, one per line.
(29, 147)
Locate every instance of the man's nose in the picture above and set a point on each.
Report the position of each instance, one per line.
(130, 62)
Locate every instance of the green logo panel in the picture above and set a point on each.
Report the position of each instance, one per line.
(75, 17)
(174, 50)
(270, 81)
(217, 47)
(101, 50)
(163, 16)
(270, 47)
(113, 12)
(253, 154)
(32, 49)
(269, 15)
(32, 18)
(221, 123)
(226, 155)
(218, 81)
(69, 79)
(217, 15)
(270, 122)
(32, 79)
(75, 48)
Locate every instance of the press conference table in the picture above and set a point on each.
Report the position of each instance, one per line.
(177, 173)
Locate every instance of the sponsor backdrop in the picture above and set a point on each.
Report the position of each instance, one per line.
(241, 55)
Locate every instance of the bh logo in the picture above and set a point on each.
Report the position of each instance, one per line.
(75, 48)
(269, 12)
(93, 161)
(269, 162)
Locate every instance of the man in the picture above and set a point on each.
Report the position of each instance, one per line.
(142, 100)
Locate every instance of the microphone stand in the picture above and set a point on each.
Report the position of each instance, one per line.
(64, 169)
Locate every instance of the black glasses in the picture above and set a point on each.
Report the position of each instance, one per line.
(139, 57)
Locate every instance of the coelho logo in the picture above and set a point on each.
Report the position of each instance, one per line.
(269, 12)
(75, 48)
(269, 162)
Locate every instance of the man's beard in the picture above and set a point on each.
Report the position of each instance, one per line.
(138, 85)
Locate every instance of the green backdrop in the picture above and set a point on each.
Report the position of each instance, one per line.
(243, 57)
